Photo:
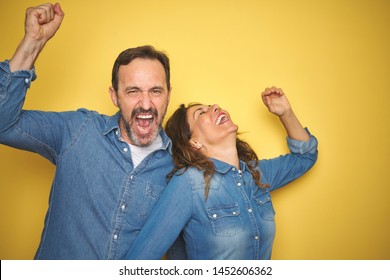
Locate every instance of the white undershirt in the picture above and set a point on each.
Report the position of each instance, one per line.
(139, 153)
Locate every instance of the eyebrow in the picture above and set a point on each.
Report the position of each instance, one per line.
(157, 87)
(131, 88)
(200, 108)
(196, 111)
(138, 88)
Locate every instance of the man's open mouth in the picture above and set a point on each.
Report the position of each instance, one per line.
(144, 122)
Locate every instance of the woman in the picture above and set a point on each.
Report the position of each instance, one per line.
(219, 193)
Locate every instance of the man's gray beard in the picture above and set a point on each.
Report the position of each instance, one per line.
(131, 134)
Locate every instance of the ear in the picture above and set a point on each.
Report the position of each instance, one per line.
(195, 144)
(114, 96)
(169, 94)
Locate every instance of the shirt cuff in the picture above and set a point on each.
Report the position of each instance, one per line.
(302, 147)
(27, 75)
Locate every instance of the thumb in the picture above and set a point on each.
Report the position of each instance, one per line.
(58, 14)
(53, 26)
(58, 11)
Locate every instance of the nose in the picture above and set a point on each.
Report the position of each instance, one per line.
(214, 108)
(144, 101)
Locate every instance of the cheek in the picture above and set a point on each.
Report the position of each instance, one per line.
(126, 105)
(201, 129)
(161, 105)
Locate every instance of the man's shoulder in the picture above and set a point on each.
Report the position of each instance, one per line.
(97, 117)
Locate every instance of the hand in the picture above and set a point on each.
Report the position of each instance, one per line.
(276, 101)
(43, 21)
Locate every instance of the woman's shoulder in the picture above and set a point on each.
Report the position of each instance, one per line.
(189, 171)
(190, 175)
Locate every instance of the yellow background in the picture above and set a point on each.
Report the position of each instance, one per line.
(331, 57)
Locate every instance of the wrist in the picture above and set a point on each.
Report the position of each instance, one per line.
(26, 54)
(287, 114)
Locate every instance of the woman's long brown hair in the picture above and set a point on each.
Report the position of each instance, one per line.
(184, 155)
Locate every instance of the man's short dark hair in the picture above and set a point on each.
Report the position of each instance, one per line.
(146, 52)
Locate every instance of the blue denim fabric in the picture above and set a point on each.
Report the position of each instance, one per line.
(98, 201)
(237, 219)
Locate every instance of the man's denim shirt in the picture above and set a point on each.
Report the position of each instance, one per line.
(98, 201)
(236, 221)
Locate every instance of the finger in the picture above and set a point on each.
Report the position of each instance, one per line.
(267, 100)
(58, 10)
(46, 13)
(49, 11)
(268, 91)
(265, 92)
(279, 91)
(41, 13)
(273, 91)
(58, 14)
(264, 96)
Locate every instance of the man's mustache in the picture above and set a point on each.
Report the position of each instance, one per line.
(151, 111)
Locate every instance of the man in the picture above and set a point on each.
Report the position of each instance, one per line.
(110, 171)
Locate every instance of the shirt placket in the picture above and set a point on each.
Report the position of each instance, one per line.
(243, 187)
(124, 198)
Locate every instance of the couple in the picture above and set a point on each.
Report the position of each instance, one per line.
(122, 188)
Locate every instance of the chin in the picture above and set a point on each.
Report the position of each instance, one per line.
(146, 140)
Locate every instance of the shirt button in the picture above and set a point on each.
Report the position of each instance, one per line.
(117, 132)
(123, 207)
(131, 177)
(250, 210)
(26, 80)
(125, 149)
(115, 237)
(234, 213)
(257, 237)
(233, 169)
(215, 215)
(239, 184)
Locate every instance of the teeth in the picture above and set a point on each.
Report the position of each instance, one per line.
(220, 118)
(144, 116)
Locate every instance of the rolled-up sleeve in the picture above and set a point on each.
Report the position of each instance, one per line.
(279, 171)
(302, 147)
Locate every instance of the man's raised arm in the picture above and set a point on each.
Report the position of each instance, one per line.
(41, 23)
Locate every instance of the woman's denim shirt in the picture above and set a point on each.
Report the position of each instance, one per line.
(236, 221)
(98, 200)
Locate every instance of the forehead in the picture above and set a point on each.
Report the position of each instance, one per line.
(193, 108)
(142, 68)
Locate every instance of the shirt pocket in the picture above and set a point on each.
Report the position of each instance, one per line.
(264, 204)
(151, 195)
(225, 220)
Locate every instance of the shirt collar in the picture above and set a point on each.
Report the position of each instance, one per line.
(112, 124)
(223, 167)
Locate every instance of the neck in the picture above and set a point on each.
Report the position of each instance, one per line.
(227, 153)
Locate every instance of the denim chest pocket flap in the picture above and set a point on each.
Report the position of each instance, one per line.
(264, 203)
(151, 195)
(225, 219)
